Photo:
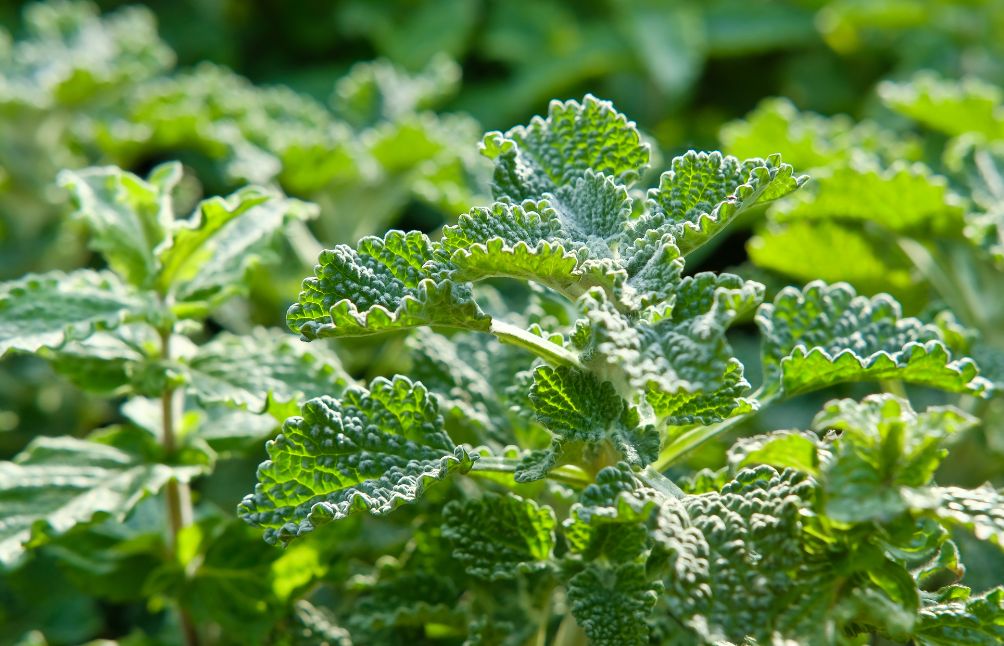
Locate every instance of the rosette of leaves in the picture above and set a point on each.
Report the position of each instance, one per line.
(597, 405)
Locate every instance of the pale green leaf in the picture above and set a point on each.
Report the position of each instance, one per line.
(128, 217)
(899, 199)
(382, 285)
(980, 510)
(834, 251)
(549, 153)
(56, 484)
(499, 537)
(956, 616)
(46, 310)
(368, 451)
(884, 448)
(212, 250)
(263, 370)
(703, 192)
(951, 106)
(826, 334)
(809, 140)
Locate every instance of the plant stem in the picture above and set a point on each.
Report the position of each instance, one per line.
(177, 494)
(496, 464)
(691, 439)
(546, 350)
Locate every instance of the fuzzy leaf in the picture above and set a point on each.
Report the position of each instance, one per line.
(128, 217)
(827, 334)
(369, 451)
(612, 603)
(56, 484)
(958, 617)
(704, 192)
(498, 537)
(549, 153)
(262, 370)
(382, 285)
(883, 450)
(980, 510)
(46, 310)
(588, 418)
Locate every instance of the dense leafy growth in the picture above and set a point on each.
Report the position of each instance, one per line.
(558, 404)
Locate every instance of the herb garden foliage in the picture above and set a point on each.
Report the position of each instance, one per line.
(559, 521)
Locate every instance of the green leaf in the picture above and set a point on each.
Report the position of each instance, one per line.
(549, 153)
(703, 192)
(612, 603)
(953, 107)
(956, 616)
(47, 310)
(263, 370)
(808, 140)
(316, 626)
(382, 285)
(884, 449)
(499, 537)
(213, 249)
(833, 251)
(981, 510)
(112, 363)
(369, 451)
(899, 199)
(780, 449)
(826, 334)
(749, 552)
(588, 419)
(129, 218)
(681, 361)
(56, 484)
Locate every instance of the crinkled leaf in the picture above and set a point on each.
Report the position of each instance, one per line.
(46, 310)
(980, 510)
(612, 603)
(549, 153)
(953, 107)
(956, 616)
(588, 419)
(315, 625)
(264, 369)
(884, 449)
(498, 537)
(826, 334)
(681, 361)
(128, 217)
(368, 451)
(56, 484)
(212, 250)
(703, 192)
(382, 285)
(740, 574)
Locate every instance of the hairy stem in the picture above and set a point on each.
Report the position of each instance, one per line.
(546, 350)
(567, 474)
(178, 495)
(691, 439)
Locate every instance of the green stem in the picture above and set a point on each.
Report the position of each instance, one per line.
(177, 494)
(567, 474)
(546, 350)
(693, 438)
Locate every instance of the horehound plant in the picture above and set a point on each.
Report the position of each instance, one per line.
(531, 472)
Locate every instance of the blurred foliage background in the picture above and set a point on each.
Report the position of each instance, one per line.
(373, 110)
